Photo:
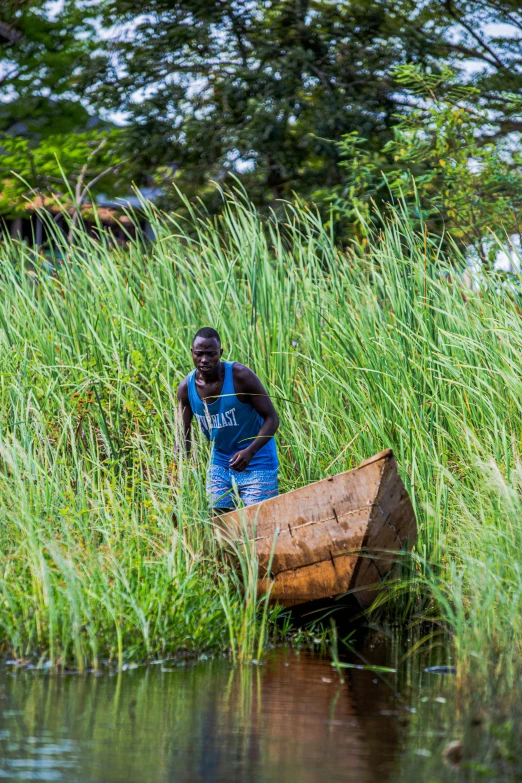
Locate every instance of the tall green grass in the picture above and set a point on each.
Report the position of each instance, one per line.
(106, 548)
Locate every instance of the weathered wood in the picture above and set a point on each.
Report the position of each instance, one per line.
(340, 534)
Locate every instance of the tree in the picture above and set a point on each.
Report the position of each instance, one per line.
(447, 162)
(38, 59)
(266, 88)
(468, 34)
(52, 151)
(261, 88)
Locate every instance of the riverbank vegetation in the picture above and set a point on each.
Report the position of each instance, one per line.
(106, 546)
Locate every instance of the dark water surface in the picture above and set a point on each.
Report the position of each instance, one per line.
(289, 719)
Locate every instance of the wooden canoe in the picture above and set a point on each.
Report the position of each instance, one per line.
(340, 534)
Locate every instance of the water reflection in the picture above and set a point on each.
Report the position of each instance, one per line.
(291, 719)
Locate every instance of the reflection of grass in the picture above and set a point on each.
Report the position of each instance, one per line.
(450, 739)
(249, 636)
(106, 549)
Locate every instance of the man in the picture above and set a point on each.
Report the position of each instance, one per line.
(235, 412)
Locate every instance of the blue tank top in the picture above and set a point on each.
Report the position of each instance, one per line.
(230, 424)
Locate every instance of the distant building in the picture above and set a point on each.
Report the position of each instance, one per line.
(23, 220)
(110, 214)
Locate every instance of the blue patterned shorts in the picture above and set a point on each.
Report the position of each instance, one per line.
(224, 485)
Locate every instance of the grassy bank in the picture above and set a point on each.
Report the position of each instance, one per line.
(381, 348)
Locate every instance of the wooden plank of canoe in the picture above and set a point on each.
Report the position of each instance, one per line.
(312, 543)
(314, 503)
(311, 521)
(394, 502)
(393, 528)
(326, 578)
(339, 534)
(372, 558)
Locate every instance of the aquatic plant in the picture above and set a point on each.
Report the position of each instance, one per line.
(106, 546)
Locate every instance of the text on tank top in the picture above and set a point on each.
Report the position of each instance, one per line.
(230, 424)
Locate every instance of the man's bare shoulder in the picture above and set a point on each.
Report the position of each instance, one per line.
(245, 379)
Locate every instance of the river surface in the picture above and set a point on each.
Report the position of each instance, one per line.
(291, 718)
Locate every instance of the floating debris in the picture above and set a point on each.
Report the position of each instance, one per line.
(452, 753)
(363, 667)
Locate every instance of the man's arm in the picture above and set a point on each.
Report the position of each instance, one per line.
(249, 388)
(186, 415)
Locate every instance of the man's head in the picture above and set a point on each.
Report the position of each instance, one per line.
(206, 350)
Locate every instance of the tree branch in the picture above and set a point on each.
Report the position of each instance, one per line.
(83, 172)
(100, 176)
(505, 14)
(475, 35)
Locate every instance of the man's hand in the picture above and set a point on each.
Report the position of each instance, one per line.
(241, 460)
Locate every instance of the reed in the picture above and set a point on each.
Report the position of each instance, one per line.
(106, 548)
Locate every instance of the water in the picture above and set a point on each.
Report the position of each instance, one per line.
(290, 719)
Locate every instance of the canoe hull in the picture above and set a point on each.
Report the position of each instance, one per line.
(344, 533)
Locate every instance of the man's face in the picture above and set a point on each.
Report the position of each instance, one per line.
(206, 354)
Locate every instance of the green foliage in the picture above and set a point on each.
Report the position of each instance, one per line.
(259, 89)
(47, 139)
(40, 56)
(446, 162)
(262, 90)
(38, 172)
(386, 347)
(471, 180)
(258, 84)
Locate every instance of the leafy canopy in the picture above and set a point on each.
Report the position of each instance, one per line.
(447, 161)
(262, 89)
(265, 89)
